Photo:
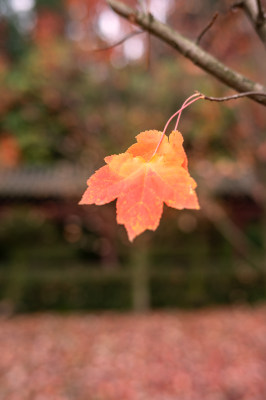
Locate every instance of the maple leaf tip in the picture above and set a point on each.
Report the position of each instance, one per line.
(132, 236)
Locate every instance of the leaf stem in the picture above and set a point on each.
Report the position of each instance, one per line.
(183, 106)
(197, 96)
(187, 102)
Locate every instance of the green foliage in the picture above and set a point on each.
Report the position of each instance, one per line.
(82, 289)
(53, 5)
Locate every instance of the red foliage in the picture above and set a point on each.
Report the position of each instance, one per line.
(49, 25)
(10, 154)
(179, 356)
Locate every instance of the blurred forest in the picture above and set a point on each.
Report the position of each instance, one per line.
(68, 99)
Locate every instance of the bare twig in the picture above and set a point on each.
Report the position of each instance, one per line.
(261, 14)
(121, 41)
(207, 27)
(190, 50)
(237, 4)
(233, 97)
(143, 6)
(237, 239)
(254, 11)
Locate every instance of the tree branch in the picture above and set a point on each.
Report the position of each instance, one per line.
(190, 50)
(237, 239)
(233, 97)
(254, 11)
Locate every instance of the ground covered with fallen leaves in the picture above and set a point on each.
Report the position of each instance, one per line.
(208, 355)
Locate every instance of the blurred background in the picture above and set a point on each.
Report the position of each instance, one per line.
(69, 97)
(69, 278)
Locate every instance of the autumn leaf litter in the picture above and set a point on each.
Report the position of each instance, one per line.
(210, 355)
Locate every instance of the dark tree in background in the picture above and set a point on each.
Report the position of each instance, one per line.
(80, 79)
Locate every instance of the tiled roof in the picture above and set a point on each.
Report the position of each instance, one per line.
(66, 180)
(43, 182)
(226, 177)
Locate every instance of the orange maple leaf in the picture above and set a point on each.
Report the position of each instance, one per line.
(142, 179)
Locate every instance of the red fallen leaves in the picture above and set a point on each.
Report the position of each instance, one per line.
(142, 181)
(207, 354)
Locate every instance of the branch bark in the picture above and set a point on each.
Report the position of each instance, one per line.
(253, 10)
(190, 50)
(233, 97)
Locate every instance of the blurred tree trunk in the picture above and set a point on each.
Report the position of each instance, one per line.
(199, 259)
(140, 279)
(261, 191)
